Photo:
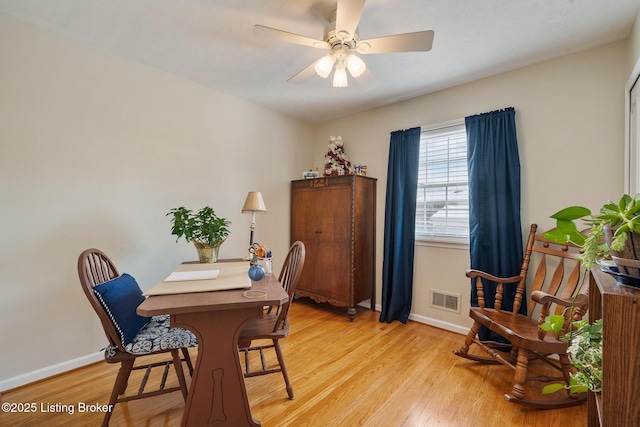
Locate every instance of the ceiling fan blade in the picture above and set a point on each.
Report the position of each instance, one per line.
(347, 17)
(304, 74)
(367, 80)
(410, 42)
(268, 32)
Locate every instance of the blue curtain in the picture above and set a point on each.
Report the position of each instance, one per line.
(495, 232)
(399, 225)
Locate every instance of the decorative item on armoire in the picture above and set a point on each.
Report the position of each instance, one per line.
(311, 174)
(336, 161)
(360, 170)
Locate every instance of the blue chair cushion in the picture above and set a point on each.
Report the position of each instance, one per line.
(120, 298)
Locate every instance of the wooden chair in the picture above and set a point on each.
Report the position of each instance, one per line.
(96, 269)
(274, 325)
(556, 293)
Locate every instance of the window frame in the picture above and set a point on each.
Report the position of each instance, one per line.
(441, 240)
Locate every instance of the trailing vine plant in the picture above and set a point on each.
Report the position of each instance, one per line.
(585, 353)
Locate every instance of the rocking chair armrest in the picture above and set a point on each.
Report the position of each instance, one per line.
(472, 274)
(540, 297)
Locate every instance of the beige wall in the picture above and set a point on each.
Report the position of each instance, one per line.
(94, 150)
(570, 123)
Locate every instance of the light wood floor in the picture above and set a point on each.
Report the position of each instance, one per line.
(343, 374)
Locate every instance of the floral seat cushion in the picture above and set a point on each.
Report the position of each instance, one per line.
(158, 335)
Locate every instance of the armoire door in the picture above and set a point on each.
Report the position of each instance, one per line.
(321, 219)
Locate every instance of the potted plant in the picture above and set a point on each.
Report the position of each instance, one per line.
(205, 229)
(616, 223)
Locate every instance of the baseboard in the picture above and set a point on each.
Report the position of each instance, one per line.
(49, 371)
(451, 327)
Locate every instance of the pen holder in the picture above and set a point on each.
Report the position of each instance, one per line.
(267, 264)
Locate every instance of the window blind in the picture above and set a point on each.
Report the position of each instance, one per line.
(442, 203)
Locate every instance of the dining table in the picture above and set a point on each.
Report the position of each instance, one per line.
(217, 394)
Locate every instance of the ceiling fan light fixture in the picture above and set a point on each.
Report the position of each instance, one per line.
(355, 65)
(340, 38)
(325, 65)
(340, 76)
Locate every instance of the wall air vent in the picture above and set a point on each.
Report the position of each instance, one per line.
(445, 301)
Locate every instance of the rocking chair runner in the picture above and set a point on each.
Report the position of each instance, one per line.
(549, 294)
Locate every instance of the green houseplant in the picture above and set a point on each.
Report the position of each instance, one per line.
(617, 223)
(204, 228)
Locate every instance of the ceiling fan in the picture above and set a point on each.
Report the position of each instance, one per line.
(342, 43)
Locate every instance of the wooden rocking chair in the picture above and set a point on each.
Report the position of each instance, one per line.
(556, 294)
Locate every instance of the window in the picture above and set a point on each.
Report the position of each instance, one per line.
(442, 203)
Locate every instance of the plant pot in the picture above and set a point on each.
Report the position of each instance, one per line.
(207, 253)
(628, 259)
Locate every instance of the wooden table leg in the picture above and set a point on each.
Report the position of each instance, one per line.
(217, 395)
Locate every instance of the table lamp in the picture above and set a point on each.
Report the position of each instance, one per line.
(252, 205)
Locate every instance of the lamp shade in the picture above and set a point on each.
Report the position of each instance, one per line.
(254, 203)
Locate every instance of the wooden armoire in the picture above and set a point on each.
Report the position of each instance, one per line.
(335, 217)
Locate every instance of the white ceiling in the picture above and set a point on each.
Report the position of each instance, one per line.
(210, 42)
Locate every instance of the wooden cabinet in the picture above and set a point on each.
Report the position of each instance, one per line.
(619, 308)
(335, 217)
